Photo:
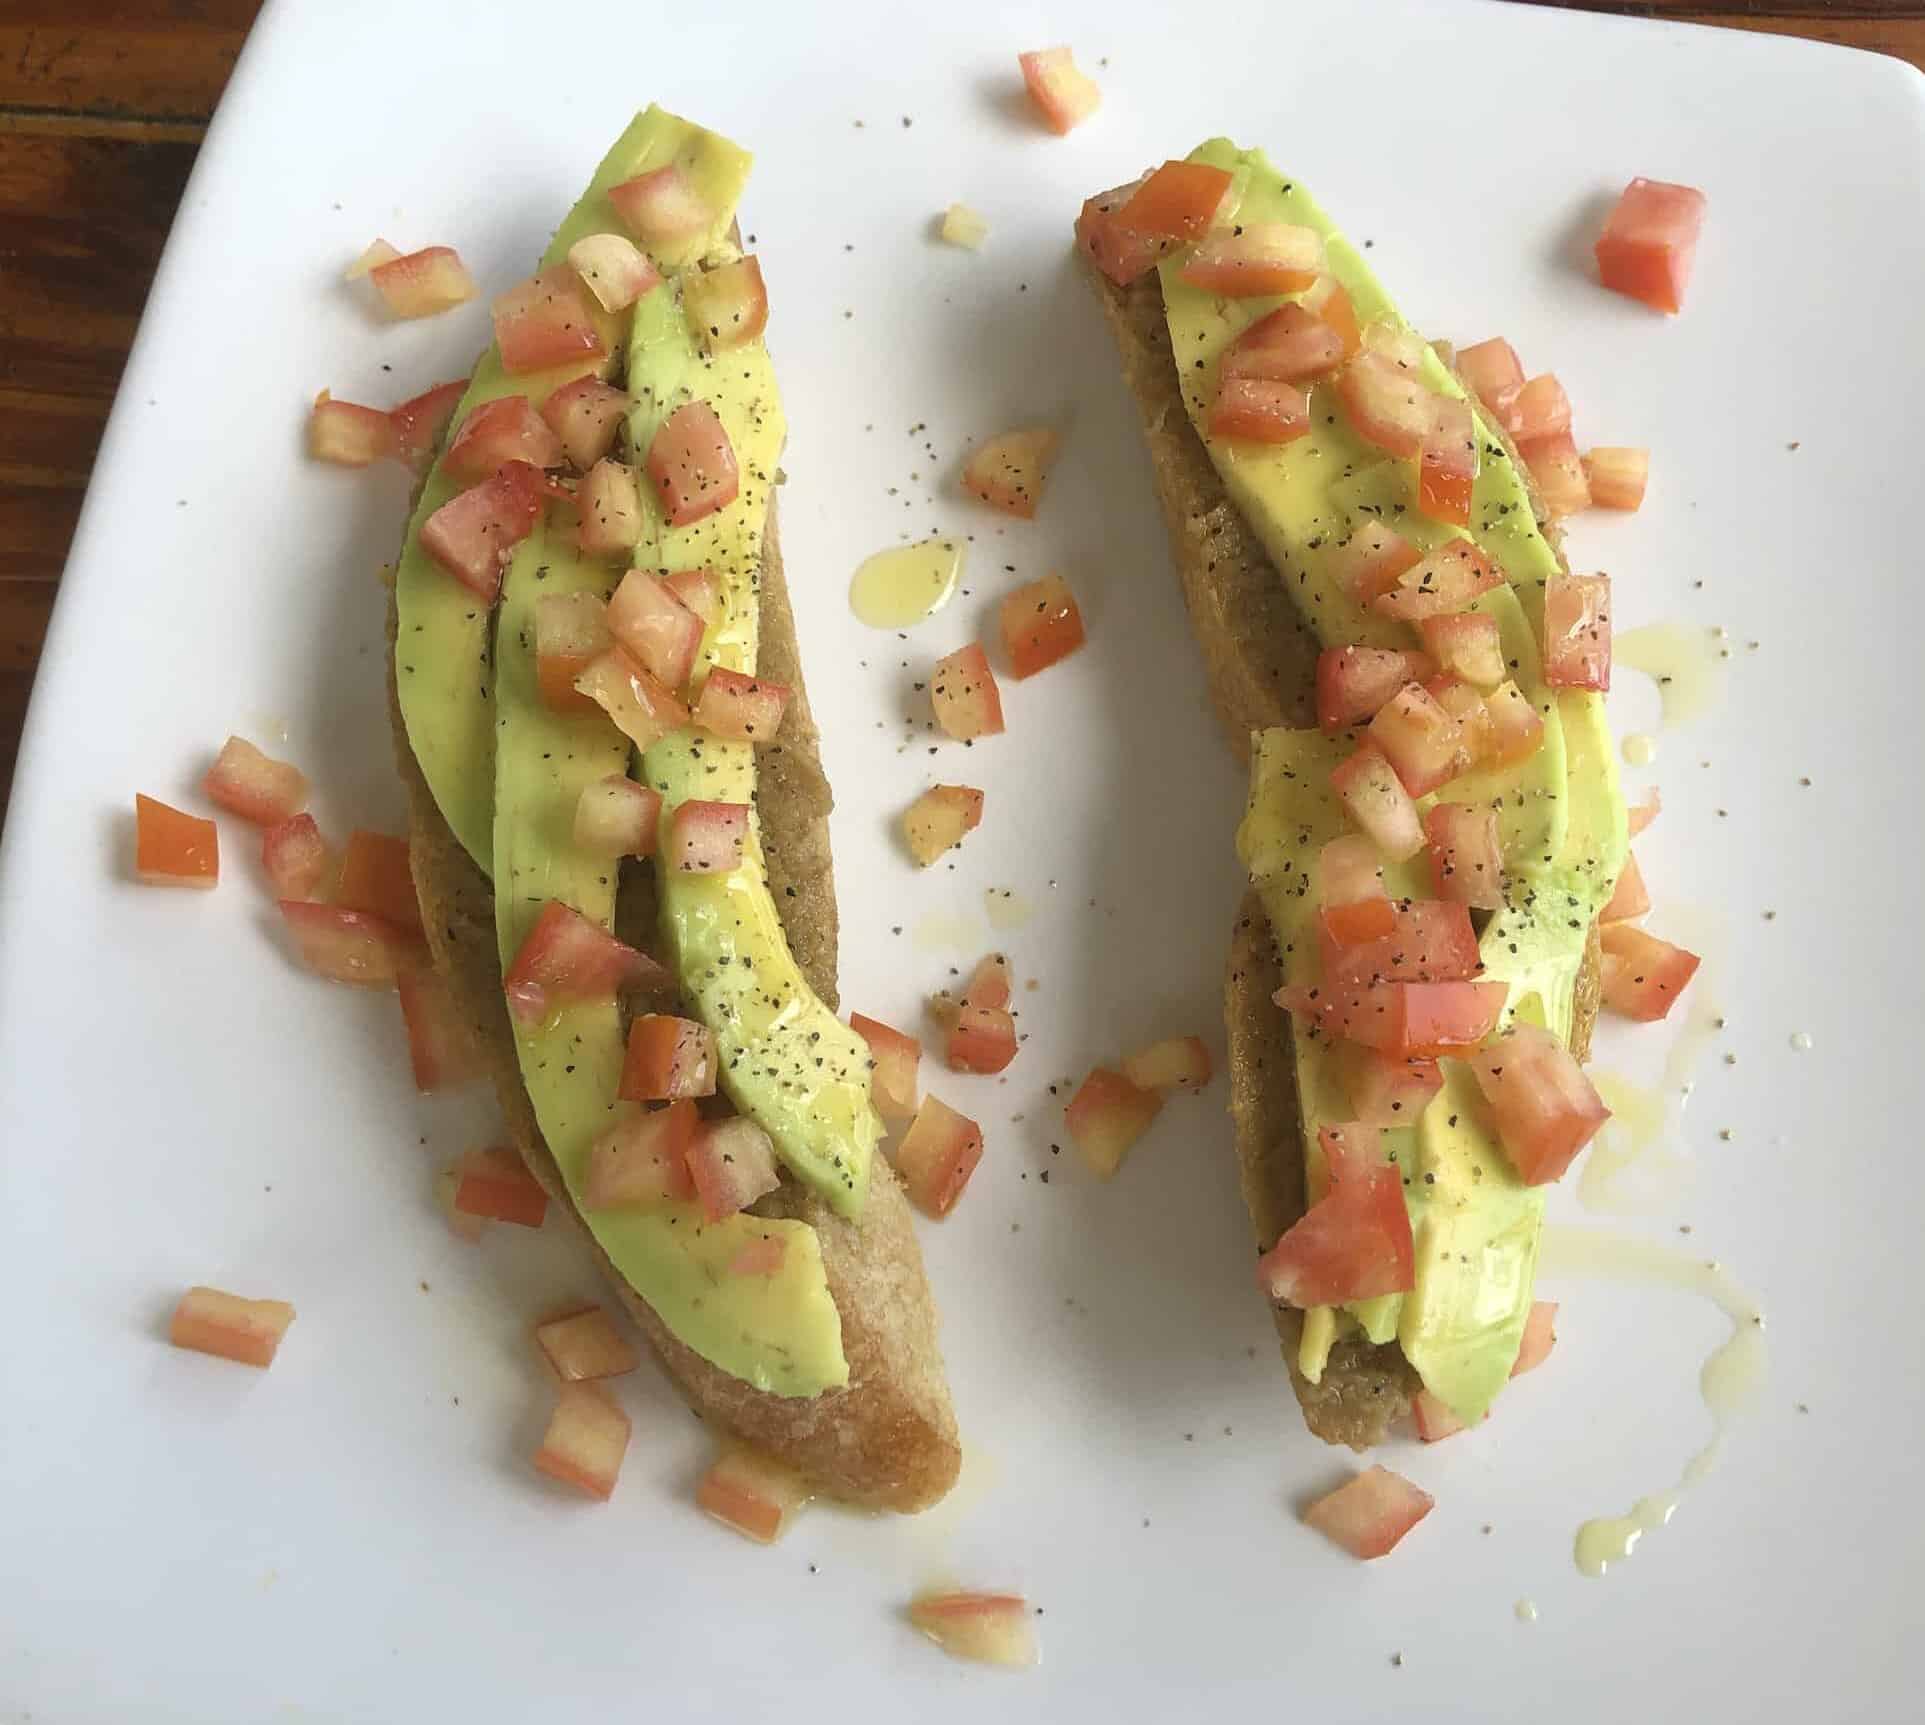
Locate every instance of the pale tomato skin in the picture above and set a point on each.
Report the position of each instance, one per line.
(1178, 1063)
(443, 1052)
(1577, 632)
(1429, 940)
(585, 415)
(1288, 345)
(939, 819)
(258, 788)
(616, 817)
(1445, 1018)
(693, 464)
(1466, 857)
(707, 837)
(505, 429)
(1371, 1513)
(1493, 372)
(1256, 410)
(571, 632)
(1433, 1418)
(989, 1628)
(662, 208)
(586, 1345)
(937, 1155)
(964, 696)
(1375, 798)
(248, 1332)
(1354, 1242)
(699, 589)
(643, 707)
(728, 306)
(417, 424)
(586, 1439)
(1063, 96)
(1545, 1109)
(564, 956)
(613, 270)
(732, 1163)
(347, 434)
(1447, 463)
(1329, 300)
(610, 509)
(1008, 472)
(377, 876)
(1643, 977)
(1467, 706)
(495, 1184)
(661, 633)
(642, 1158)
(1516, 727)
(895, 1059)
(1385, 1091)
(1540, 1336)
(1386, 404)
(981, 1039)
(1617, 477)
(1630, 898)
(546, 321)
(351, 946)
(668, 1058)
(1541, 409)
(747, 709)
(1465, 644)
(1649, 241)
(1448, 580)
(989, 982)
(1558, 473)
(1373, 559)
(474, 533)
(295, 857)
(1128, 230)
(1641, 814)
(752, 1493)
(1106, 1116)
(1418, 738)
(1040, 624)
(1350, 887)
(1251, 260)
(420, 284)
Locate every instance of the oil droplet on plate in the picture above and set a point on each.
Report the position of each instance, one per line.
(898, 589)
(1682, 661)
(1640, 748)
(1632, 1168)
(1526, 1611)
(1006, 908)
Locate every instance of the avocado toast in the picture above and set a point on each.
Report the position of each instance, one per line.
(1286, 525)
(800, 1321)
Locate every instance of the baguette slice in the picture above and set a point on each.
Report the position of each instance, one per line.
(888, 1440)
(1260, 658)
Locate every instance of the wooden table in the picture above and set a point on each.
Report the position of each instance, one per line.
(103, 104)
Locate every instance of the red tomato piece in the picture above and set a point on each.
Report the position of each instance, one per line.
(1178, 1063)
(1387, 403)
(346, 434)
(1435, 1421)
(351, 946)
(571, 632)
(989, 1628)
(443, 1050)
(1386, 1091)
(707, 838)
(1558, 473)
(1120, 253)
(893, 1062)
(1126, 231)
(1373, 559)
(663, 209)
(1466, 857)
(564, 956)
(585, 414)
(1008, 472)
(1369, 1514)
(1418, 738)
(1540, 1336)
(1329, 301)
(1431, 1019)
(586, 1439)
(612, 270)
(668, 1058)
(1492, 371)
(1465, 644)
(1641, 815)
(377, 876)
(693, 464)
(1449, 579)
(495, 1184)
(254, 786)
(212, 1322)
(419, 284)
(744, 708)
(1516, 727)
(727, 306)
(1430, 940)
(1106, 1116)
(1447, 463)
(1040, 624)
(1288, 345)
(460, 1223)
(417, 424)
(981, 1039)
(964, 695)
(1544, 1107)
(610, 505)
(1063, 96)
(1577, 632)
(1541, 409)
(938, 820)
(546, 321)
(699, 589)
(1466, 706)
(752, 1493)
(1376, 800)
(642, 1158)
(1629, 898)
(1350, 887)
(1643, 976)
(1648, 242)
(586, 1345)
(1616, 477)
(937, 1155)
(505, 429)
(474, 533)
(661, 633)
(732, 1163)
(643, 707)
(1354, 1242)
(1255, 258)
(1259, 411)
(295, 858)
(616, 817)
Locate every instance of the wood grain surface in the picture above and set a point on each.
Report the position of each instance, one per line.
(103, 104)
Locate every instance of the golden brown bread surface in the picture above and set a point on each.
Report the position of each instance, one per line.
(1260, 658)
(888, 1440)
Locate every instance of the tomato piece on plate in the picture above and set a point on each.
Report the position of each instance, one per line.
(663, 208)
(1466, 855)
(1430, 940)
(586, 1345)
(571, 632)
(563, 957)
(545, 321)
(1616, 477)
(1350, 887)
(1387, 1091)
(963, 692)
(295, 858)
(1447, 463)
(1541, 409)
(751, 1492)
(707, 837)
(1577, 632)
(1372, 559)
(419, 284)
(693, 464)
(475, 532)
(460, 1223)
(1387, 403)
(505, 429)
(1540, 1336)
(732, 1163)
(212, 1322)
(1449, 579)
(728, 305)
(1177, 1063)
(746, 709)
(938, 820)
(347, 434)
(1369, 1514)
(1492, 371)
(613, 270)
(495, 1184)
(989, 1628)
(1009, 471)
(417, 424)
(1558, 473)
(668, 1058)
(1465, 644)
(937, 1155)
(1259, 411)
(254, 786)
(1376, 800)
(1063, 96)
(616, 817)
(586, 1439)
(1648, 242)
(585, 414)
(1288, 345)
(610, 506)
(643, 707)
(893, 1062)
(1516, 727)
(1255, 258)
(1641, 815)
(1643, 976)
(379, 252)
(443, 1050)
(1354, 1242)
(1544, 1107)
(1040, 624)
(642, 1158)
(1630, 899)
(351, 946)
(1418, 738)
(981, 1039)
(1106, 1116)
(989, 982)
(661, 633)
(376, 876)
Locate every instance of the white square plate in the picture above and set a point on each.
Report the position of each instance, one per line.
(357, 1534)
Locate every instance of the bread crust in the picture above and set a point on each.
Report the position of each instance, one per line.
(888, 1440)
(1260, 658)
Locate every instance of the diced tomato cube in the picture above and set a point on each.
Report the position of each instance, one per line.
(1466, 857)
(1616, 477)
(963, 693)
(1370, 790)
(668, 1058)
(989, 1628)
(546, 321)
(1643, 976)
(564, 956)
(474, 533)
(1404, 348)
(1329, 301)
(707, 837)
(1545, 1109)
(378, 252)
(1429, 940)
(661, 634)
(1354, 1242)
(1350, 887)
(585, 414)
(1492, 371)
(1386, 1090)
(988, 983)
(693, 464)
(616, 817)
(1558, 473)
(613, 270)
(1255, 258)
(1516, 727)
(571, 632)
(1178, 1063)
(1577, 632)
(643, 707)
(1630, 899)
(663, 209)
(938, 820)
(1540, 1336)
(295, 858)
(1447, 463)
(1126, 231)
(419, 284)
(586, 1345)
(505, 429)
(1288, 345)
(1106, 1116)
(1369, 1514)
(496, 1184)
(254, 786)
(747, 709)
(211, 1322)
(460, 1223)
(443, 1050)
(642, 1158)
(1259, 411)
(376, 875)
(1541, 409)
(586, 1439)
(727, 306)
(417, 424)
(1466, 706)
(1449, 579)
(1372, 559)
(1641, 815)
(1040, 624)
(1435, 1421)
(732, 1163)
(751, 1492)
(346, 434)
(699, 589)
(937, 1155)
(610, 506)
(1465, 644)
(1648, 242)
(981, 1039)
(1063, 96)
(1388, 404)
(350, 946)
(1008, 472)
(1418, 738)
(894, 1059)
(1432, 1019)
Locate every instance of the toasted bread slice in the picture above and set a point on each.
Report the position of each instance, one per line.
(1260, 658)
(889, 1440)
